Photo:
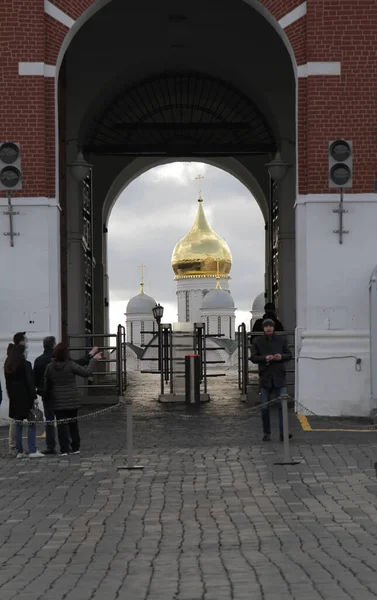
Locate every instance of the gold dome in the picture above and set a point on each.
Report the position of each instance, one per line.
(201, 253)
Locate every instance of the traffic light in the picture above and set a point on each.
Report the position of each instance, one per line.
(10, 166)
(340, 164)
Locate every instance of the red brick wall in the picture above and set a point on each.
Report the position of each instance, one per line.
(344, 106)
(329, 107)
(22, 106)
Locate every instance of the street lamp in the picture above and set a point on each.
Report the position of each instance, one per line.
(277, 168)
(158, 313)
(79, 168)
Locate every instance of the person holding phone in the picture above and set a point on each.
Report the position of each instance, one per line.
(62, 394)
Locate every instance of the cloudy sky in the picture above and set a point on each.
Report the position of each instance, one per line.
(156, 210)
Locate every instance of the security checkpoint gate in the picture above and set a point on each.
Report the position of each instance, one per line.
(244, 347)
(109, 381)
(177, 341)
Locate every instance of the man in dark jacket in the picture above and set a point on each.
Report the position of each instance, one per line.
(40, 365)
(269, 313)
(270, 352)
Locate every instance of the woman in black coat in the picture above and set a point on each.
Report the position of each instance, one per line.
(21, 392)
(63, 395)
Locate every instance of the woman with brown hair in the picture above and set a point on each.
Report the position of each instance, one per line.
(61, 391)
(22, 395)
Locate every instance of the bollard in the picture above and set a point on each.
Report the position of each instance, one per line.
(287, 460)
(192, 378)
(130, 443)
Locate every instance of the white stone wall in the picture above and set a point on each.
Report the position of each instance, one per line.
(333, 303)
(137, 325)
(227, 322)
(30, 276)
(255, 315)
(196, 288)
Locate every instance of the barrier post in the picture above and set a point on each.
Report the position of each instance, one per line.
(192, 378)
(287, 460)
(130, 442)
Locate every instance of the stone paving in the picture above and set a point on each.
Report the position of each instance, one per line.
(211, 517)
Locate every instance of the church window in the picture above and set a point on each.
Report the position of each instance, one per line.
(142, 333)
(219, 325)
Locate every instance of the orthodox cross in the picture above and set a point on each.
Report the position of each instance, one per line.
(142, 267)
(11, 213)
(198, 179)
(340, 210)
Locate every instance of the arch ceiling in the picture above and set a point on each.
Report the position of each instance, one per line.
(177, 113)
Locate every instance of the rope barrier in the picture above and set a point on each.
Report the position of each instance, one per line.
(8, 421)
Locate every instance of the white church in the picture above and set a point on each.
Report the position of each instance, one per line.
(201, 263)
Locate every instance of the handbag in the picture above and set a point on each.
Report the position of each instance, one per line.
(35, 414)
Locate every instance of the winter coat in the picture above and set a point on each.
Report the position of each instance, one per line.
(62, 391)
(21, 391)
(41, 363)
(271, 375)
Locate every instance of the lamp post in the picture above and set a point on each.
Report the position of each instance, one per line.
(79, 168)
(277, 169)
(158, 313)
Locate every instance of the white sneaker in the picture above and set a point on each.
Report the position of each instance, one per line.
(21, 455)
(76, 452)
(63, 454)
(36, 454)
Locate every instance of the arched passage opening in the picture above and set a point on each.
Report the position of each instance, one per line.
(156, 209)
(156, 95)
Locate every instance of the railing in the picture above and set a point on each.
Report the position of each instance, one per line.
(108, 344)
(243, 364)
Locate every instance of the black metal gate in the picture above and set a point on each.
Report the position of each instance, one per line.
(106, 382)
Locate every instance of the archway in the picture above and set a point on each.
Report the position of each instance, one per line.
(157, 95)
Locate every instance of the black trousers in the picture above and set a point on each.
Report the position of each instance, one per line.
(68, 433)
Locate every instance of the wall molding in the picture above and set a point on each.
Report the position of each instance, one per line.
(36, 201)
(36, 68)
(293, 16)
(57, 14)
(312, 69)
(334, 198)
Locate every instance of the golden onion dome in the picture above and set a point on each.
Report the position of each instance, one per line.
(201, 253)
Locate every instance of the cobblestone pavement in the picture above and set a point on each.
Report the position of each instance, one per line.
(211, 517)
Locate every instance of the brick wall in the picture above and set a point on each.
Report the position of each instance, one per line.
(22, 106)
(344, 106)
(329, 107)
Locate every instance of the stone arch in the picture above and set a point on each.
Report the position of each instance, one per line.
(142, 165)
(97, 5)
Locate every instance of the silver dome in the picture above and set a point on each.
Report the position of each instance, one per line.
(217, 299)
(259, 302)
(142, 304)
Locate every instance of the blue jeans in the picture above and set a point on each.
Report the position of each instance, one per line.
(265, 396)
(50, 429)
(31, 438)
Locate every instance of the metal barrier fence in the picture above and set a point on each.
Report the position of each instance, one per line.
(244, 346)
(113, 347)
